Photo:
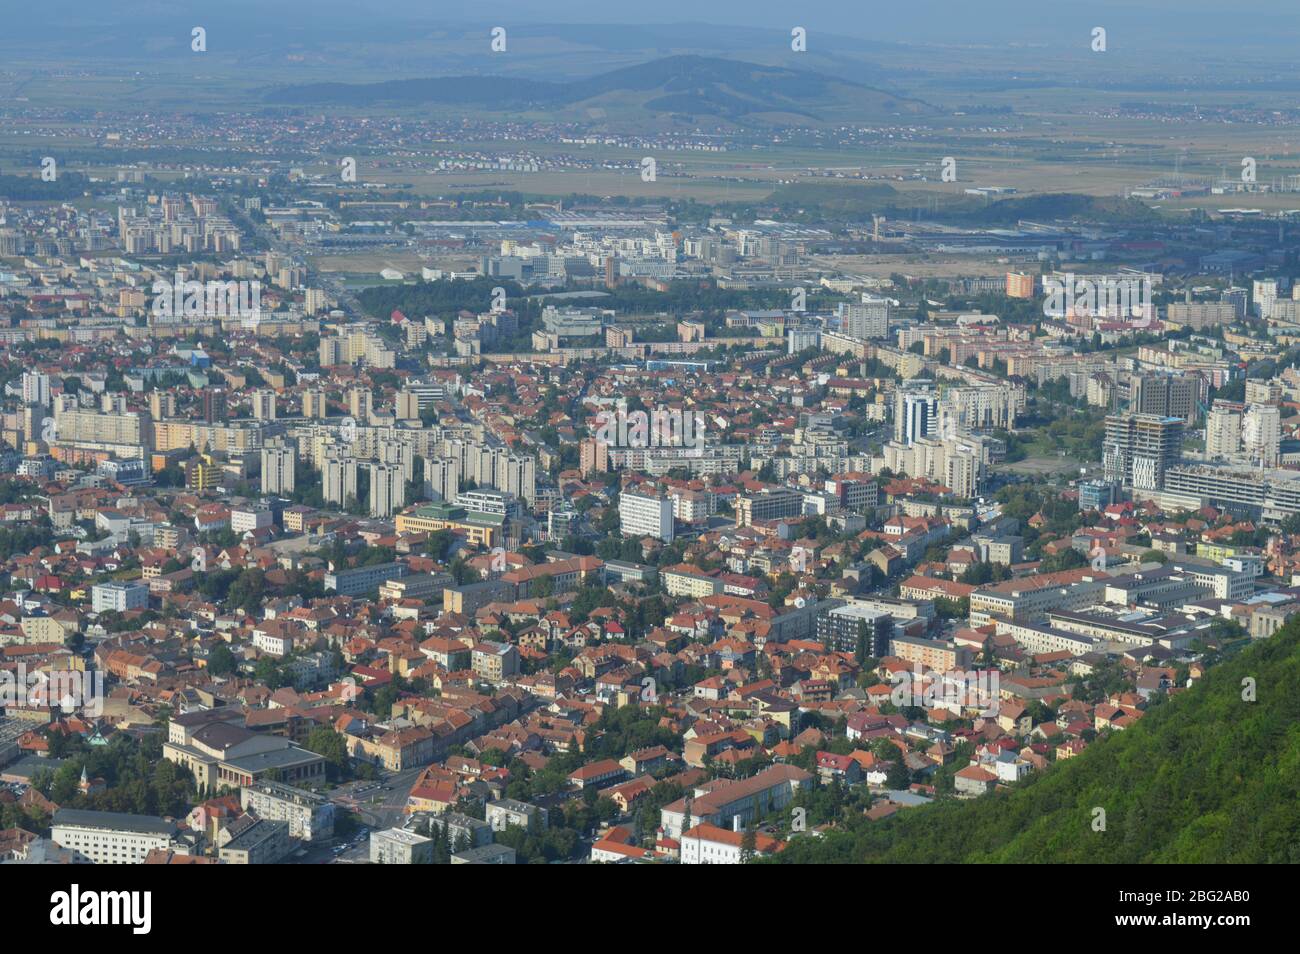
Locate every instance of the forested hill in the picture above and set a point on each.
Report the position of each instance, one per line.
(1204, 777)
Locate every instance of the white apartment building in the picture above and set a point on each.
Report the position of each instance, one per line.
(245, 519)
(278, 470)
(397, 846)
(643, 515)
(310, 816)
(387, 489)
(110, 837)
(119, 597)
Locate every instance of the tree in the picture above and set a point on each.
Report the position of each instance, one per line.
(748, 844)
(221, 661)
(331, 746)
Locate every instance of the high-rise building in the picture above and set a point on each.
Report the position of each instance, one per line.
(399, 453)
(866, 319)
(36, 388)
(264, 405)
(1020, 285)
(202, 473)
(314, 405)
(1263, 392)
(495, 467)
(278, 469)
(214, 405)
(162, 405)
(408, 406)
(1261, 434)
(1139, 448)
(441, 478)
(1264, 293)
(1167, 395)
(360, 404)
(1223, 430)
(963, 469)
(114, 428)
(314, 301)
(339, 475)
(387, 489)
(916, 411)
(593, 456)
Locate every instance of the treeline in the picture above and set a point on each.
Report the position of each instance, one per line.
(68, 185)
(442, 298)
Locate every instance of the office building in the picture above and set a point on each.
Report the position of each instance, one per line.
(1139, 448)
(1096, 495)
(1166, 395)
(771, 503)
(916, 414)
(838, 627)
(362, 579)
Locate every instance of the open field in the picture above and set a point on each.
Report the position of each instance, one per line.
(1040, 466)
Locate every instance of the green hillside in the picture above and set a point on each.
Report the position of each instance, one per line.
(1203, 778)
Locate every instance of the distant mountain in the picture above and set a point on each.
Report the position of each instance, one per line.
(686, 86)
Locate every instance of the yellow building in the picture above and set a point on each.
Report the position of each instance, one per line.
(202, 473)
(481, 529)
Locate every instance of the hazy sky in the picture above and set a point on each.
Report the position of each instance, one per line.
(1187, 23)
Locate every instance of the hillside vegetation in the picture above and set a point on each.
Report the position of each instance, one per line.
(1203, 778)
